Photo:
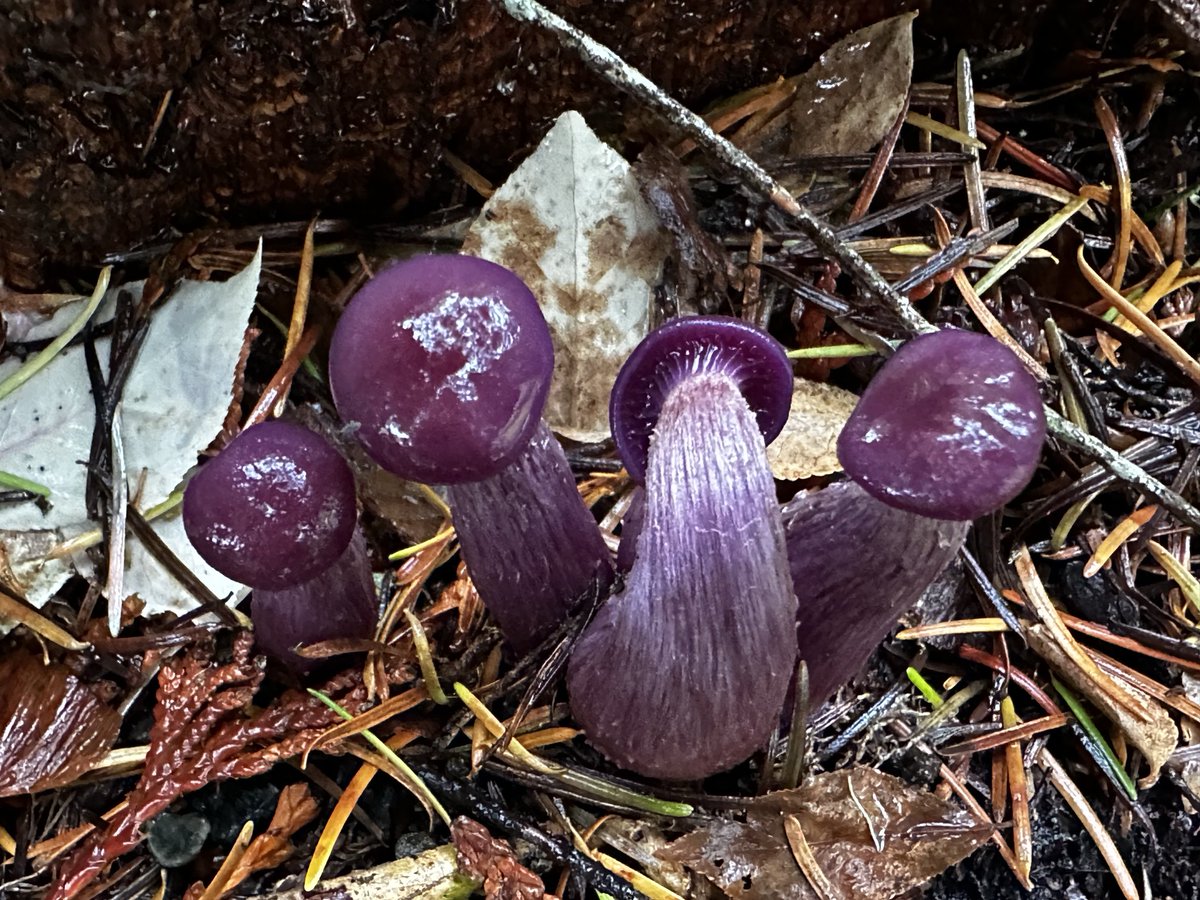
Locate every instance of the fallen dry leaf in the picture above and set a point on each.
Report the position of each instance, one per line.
(849, 99)
(174, 403)
(571, 221)
(807, 446)
(873, 835)
(52, 727)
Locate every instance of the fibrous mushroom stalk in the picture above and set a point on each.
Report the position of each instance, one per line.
(858, 565)
(529, 542)
(339, 602)
(684, 673)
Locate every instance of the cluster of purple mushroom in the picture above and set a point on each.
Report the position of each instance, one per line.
(442, 364)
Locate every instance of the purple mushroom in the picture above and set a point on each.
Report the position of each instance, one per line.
(683, 674)
(950, 429)
(443, 363)
(276, 511)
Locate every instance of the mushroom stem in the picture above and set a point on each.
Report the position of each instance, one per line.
(339, 602)
(857, 565)
(531, 545)
(683, 674)
(631, 527)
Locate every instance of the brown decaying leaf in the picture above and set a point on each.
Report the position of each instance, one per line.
(52, 727)
(294, 809)
(873, 836)
(201, 734)
(493, 861)
(807, 446)
(849, 99)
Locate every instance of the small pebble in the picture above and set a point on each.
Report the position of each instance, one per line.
(176, 839)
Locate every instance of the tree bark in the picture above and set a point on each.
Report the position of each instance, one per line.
(122, 121)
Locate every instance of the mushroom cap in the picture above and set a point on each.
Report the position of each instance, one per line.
(444, 363)
(756, 362)
(951, 427)
(274, 508)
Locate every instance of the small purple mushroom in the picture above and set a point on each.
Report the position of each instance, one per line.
(276, 510)
(444, 363)
(950, 429)
(683, 674)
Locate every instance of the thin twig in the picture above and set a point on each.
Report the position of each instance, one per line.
(611, 66)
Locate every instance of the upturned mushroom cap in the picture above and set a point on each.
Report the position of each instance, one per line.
(444, 363)
(273, 509)
(754, 360)
(951, 427)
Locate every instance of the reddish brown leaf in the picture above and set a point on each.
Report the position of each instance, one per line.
(873, 836)
(202, 734)
(52, 727)
(493, 862)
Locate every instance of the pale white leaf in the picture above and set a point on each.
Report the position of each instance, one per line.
(156, 587)
(807, 446)
(43, 317)
(25, 566)
(572, 223)
(174, 404)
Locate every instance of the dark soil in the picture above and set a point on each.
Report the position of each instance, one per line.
(1069, 867)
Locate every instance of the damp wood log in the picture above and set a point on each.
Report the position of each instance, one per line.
(127, 123)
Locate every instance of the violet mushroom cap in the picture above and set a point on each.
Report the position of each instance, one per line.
(683, 674)
(950, 427)
(275, 507)
(276, 510)
(697, 344)
(445, 362)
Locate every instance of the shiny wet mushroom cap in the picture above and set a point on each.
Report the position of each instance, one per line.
(272, 509)
(443, 363)
(950, 427)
